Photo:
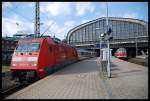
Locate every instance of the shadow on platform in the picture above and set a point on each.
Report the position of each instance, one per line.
(131, 71)
(85, 66)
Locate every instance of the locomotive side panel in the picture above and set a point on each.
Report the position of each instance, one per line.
(42, 61)
(57, 55)
(73, 54)
(67, 53)
(46, 58)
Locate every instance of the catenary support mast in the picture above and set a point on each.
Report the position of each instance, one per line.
(37, 20)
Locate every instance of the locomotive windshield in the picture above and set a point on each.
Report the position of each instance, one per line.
(28, 47)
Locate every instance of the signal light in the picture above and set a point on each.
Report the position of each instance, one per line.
(110, 38)
(109, 31)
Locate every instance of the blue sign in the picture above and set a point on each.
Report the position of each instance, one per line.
(102, 45)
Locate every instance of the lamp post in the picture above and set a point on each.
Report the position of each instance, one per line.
(100, 41)
(108, 65)
(100, 46)
(136, 45)
(108, 47)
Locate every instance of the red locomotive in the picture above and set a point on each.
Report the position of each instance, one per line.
(37, 57)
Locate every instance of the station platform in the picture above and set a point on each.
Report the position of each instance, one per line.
(82, 80)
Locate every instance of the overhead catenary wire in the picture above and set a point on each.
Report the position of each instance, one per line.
(48, 28)
(26, 18)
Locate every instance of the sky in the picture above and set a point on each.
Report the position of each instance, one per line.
(57, 18)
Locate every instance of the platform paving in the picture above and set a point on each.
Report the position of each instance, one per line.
(82, 80)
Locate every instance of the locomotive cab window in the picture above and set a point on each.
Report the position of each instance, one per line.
(28, 47)
(35, 46)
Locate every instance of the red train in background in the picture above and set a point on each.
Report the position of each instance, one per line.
(36, 58)
(121, 53)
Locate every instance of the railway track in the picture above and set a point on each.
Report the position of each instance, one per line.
(12, 90)
(138, 61)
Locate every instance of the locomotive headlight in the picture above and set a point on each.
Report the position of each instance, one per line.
(34, 64)
(13, 64)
